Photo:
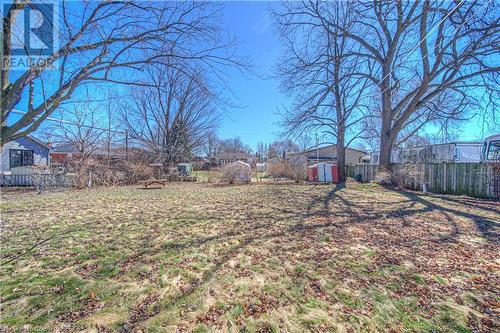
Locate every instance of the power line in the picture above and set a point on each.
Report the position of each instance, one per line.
(68, 122)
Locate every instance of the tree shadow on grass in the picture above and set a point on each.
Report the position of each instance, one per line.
(240, 230)
(262, 231)
(470, 202)
(489, 229)
(325, 200)
(246, 237)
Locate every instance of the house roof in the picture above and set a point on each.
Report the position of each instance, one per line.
(240, 162)
(37, 141)
(332, 146)
(435, 145)
(313, 150)
(443, 144)
(66, 147)
(231, 156)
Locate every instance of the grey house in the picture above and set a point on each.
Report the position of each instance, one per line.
(325, 154)
(25, 151)
(224, 158)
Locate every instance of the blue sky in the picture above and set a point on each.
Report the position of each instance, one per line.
(259, 97)
(256, 120)
(256, 94)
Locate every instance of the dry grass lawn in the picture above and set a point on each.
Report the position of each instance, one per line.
(256, 258)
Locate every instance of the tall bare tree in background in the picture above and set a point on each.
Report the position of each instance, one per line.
(320, 69)
(261, 152)
(279, 148)
(83, 133)
(433, 60)
(211, 144)
(173, 116)
(109, 41)
(234, 145)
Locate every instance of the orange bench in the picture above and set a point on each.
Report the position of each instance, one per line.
(150, 182)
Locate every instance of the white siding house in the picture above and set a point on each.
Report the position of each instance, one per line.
(26, 151)
(458, 152)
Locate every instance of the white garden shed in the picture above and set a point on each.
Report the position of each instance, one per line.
(237, 171)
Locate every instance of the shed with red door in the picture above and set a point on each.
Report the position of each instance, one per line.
(323, 173)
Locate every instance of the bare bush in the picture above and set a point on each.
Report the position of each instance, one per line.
(405, 175)
(285, 169)
(236, 172)
(277, 170)
(38, 179)
(214, 175)
(297, 171)
(134, 173)
(97, 173)
(401, 175)
(383, 177)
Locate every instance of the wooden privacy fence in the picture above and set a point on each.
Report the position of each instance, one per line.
(473, 179)
(36, 180)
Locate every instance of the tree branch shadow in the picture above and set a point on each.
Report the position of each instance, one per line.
(489, 229)
(262, 231)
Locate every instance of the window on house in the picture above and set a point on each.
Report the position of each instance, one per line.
(19, 157)
(494, 151)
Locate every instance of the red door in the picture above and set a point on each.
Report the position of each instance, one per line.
(335, 174)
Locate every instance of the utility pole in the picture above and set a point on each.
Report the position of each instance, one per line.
(317, 158)
(126, 145)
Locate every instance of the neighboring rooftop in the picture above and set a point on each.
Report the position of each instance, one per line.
(229, 156)
(313, 150)
(37, 141)
(66, 147)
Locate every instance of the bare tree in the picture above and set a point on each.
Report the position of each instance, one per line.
(262, 152)
(433, 60)
(211, 145)
(83, 133)
(280, 148)
(172, 118)
(234, 145)
(320, 69)
(109, 41)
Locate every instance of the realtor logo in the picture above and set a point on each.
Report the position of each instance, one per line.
(33, 34)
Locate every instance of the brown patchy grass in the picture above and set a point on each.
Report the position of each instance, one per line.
(257, 258)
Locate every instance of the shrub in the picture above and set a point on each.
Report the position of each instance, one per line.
(285, 169)
(277, 169)
(404, 175)
(135, 172)
(236, 172)
(214, 175)
(400, 175)
(297, 171)
(96, 173)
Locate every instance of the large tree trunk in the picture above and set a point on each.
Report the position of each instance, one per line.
(387, 139)
(341, 162)
(385, 130)
(341, 144)
(385, 154)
